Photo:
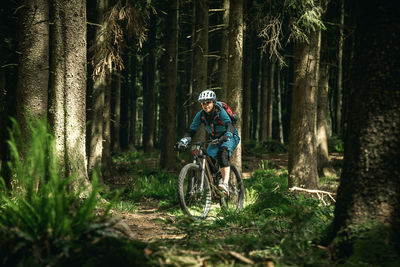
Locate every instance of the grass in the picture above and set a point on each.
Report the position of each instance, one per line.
(275, 225)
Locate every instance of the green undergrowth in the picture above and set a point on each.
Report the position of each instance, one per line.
(275, 225)
(160, 186)
(43, 222)
(266, 147)
(335, 144)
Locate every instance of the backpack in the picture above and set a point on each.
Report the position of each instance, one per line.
(232, 115)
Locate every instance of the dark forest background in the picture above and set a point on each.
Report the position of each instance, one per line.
(114, 77)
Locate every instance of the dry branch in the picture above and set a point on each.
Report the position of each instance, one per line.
(320, 194)
(121, 23)
(272, 34)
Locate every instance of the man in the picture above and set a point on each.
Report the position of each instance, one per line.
(220, 126)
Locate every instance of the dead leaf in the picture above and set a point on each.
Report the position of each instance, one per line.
(147, 251)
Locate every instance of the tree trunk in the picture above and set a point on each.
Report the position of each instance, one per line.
(3, 117)
(302, 141)
(248, 50)
(271, 98)
(368, 201)
(33, 67)
(200, 52)
(116, 111)
(125, 101)
(106, 157)
(263, 135)
(168, 156)
(338, 91)
(68, 94)
(235, 69)
(255, 95)
(223, 61)
(132, 103)
(149, 109)
(322, 114)
(96, 103)
(279, 100)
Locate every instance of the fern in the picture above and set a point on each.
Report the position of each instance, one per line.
(39, 210)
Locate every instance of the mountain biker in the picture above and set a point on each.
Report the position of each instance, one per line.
(220, 126)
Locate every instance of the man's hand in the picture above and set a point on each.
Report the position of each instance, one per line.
(223, 139)
(183, 143)
(226, 137)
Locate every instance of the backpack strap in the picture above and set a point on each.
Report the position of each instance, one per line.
(203, 120)
(220, 106)
(202, 117)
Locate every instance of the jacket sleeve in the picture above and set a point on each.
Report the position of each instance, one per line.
(194, 126)
(226, 120)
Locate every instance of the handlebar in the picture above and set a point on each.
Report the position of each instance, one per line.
(196, 143)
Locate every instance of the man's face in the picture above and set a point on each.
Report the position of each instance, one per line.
(207, 105)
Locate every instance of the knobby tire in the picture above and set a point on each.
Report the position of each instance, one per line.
(236, 192)
(193, 202)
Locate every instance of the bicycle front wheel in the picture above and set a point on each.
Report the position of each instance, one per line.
(194, 194)
(234, 201)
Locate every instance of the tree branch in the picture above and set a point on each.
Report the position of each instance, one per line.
(320, 194)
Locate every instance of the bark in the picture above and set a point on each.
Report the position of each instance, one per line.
(279, 104)
(255, 96)
(247, 84)
(68, 91)
(271, 98)
(96, 103)
(368, 199)
(3, 117)
(200, 51)
(235, 69)
(149, 89)
(132, 104)
(168, 156)
(106, 154)
(182, 110)
(302, 141)
(339, 89)
(116, 111)
(124, 103)
(33, 67)
(263, 132)
(223, 61)
(322, 124)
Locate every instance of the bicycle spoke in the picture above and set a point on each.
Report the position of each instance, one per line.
(195, 199)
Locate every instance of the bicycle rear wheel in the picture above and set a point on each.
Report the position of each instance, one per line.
(194, 197)
(234, 201)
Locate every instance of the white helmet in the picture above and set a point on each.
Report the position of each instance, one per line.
(207, 95)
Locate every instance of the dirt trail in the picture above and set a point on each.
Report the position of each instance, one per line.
(148, 223)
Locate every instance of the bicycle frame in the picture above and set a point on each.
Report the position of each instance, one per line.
(204, 161)
(198, 184)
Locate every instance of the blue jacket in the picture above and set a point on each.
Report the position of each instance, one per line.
(216, 125)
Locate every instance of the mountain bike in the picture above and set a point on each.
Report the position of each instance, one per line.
(198, 184)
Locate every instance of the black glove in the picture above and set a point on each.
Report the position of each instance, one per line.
(223, 139)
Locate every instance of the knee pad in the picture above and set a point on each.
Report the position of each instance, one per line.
(223, 157)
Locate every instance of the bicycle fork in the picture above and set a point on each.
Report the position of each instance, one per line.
(202, 175)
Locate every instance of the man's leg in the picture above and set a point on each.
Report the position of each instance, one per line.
(223, 160)
(225, 174)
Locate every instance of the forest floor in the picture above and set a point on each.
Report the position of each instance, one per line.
(148, 223)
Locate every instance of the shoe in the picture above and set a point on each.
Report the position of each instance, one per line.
(224, 188)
